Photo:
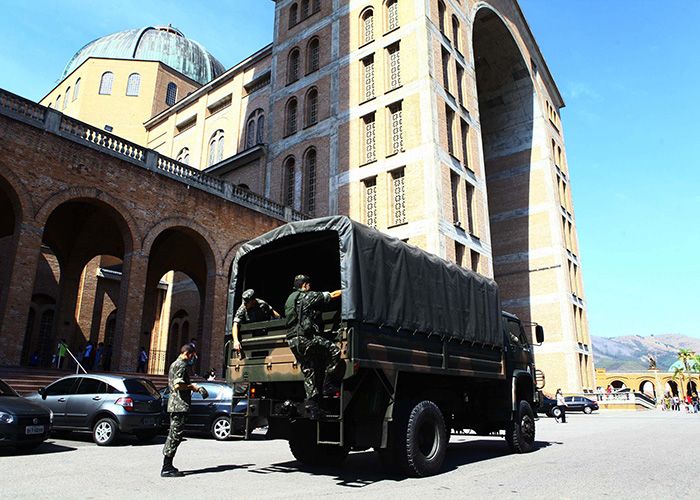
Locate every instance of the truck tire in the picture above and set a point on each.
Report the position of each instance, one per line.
(520, 434)
(420, 439)
(303, 445)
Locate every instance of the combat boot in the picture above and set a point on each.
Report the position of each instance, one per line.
(169, 469)
(313, 410)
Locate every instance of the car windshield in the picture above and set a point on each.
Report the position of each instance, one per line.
(141, 386)
(6, 390)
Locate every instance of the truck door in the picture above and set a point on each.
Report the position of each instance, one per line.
(519, 349)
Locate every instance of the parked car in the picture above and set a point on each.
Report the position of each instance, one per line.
(548, 406)
(23, 424)
(106, 405)
(213, 415)
(579, 403)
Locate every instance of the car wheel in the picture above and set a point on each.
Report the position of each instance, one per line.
(556, 412)
(221, 428)
(587, 410)
(520, 434)
(105, 432)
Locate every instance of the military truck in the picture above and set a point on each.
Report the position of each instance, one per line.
(426, 347)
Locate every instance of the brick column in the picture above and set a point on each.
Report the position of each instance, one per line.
(213, 322)
(129, 312)
(65, 322)
(16, 295)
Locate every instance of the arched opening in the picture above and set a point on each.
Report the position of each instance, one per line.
(671, 387)
(10, 215)
(691, 388)
(177, 289)
(618, 384)
(505, 94)
(79, 270)
(647, 387)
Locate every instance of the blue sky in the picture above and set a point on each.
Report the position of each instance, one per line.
(629, 73)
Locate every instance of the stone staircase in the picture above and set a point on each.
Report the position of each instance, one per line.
(25, 380)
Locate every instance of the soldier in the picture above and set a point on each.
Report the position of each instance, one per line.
(179, 405)
(319, 357)
(251, 310)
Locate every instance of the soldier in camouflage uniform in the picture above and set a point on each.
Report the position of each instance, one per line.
(178, 405)
(251, 310)
(318, 357)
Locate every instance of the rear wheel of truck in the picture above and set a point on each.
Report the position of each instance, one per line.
(420, 439)
(303, 445)
(520, 434)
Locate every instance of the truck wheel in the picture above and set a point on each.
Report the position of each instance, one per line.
(520, 434)
(420, 439)
(303, 445)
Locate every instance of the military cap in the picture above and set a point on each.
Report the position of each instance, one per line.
(248, 295)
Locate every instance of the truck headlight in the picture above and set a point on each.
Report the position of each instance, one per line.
(6, 418)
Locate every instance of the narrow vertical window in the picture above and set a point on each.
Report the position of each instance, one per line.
(392, 15)
(304, 9)
(289, 167)
(367, 34)
(261, 129)
(293, 11)
(398, 199)
(368, 77)
(171, 94)
(369, 138)
(394, 66)
(460, 89)
(455, 32)
(441, 16)
(133, 84)
(446, 70)
(396, 120)
(77, 89)
(459, 254)
(312, 56)
(106, 83)
(454, 184)
(464, 129)
(291, 117)
(65, 101)
(311, 107)
(293, 66)
(310, 198)
(216, 148)
(370, 201)
(250, 134)
(475, 260)
(450, 124)
(184, 156)
(470, 208)
(315, 6)
(58, 102)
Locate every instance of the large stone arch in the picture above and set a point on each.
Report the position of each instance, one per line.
(18, 196)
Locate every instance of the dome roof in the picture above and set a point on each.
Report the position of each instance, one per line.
(692, 364)
(161, 43)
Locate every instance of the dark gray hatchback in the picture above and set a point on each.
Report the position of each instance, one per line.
(23, 424)
(106, 405)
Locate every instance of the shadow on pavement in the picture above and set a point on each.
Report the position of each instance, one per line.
(45, 448)
(362, 468)
(122, 439)
(213, 470)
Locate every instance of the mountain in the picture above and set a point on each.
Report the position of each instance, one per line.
(629, 353)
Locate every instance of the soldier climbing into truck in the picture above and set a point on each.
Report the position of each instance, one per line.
(423, 344)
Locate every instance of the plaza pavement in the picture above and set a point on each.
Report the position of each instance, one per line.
(612, 454)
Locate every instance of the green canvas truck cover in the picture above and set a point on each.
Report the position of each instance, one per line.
(389, 283)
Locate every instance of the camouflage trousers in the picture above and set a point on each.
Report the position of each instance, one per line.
(320, 361)
(177, 427)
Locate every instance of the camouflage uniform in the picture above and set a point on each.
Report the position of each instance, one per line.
(178, 405)
(262, 311)
(319, 357)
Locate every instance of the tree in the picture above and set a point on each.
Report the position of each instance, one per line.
(689, 364)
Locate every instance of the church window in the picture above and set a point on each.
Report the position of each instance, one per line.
(261, 129)
(304, 9)
(392, 15)
(394, 66)
(289, 182)
(455, 32)
(367, 27)
(441, 16)
(291, 117)
(65, 101)
(315, 6)
(133, 85)
(293, 66)
(368, 77)
(106, 83)
(216, 148)
(370, 201)
(369, 137)
(171, 94)
(293, 11)
(311, 107)
(77, 89)
(184, 156)
(250, 133)
(312, 56)
(58, 102)
(310, 198)
(398, 199)
(395, 114)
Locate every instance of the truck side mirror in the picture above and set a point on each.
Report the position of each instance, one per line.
(539, 334)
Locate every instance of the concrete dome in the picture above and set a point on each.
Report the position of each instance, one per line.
(160, 43)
